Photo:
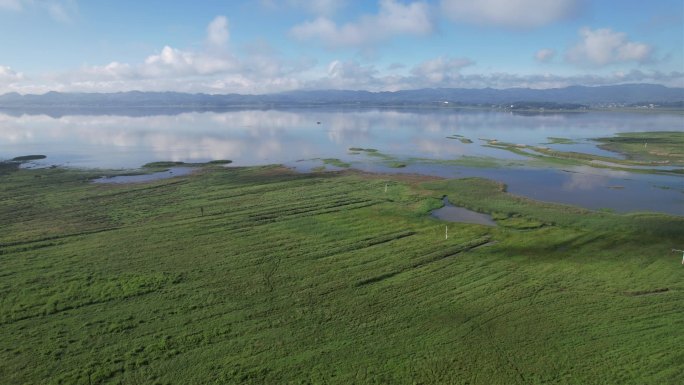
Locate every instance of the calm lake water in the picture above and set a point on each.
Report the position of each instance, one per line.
(294, 137)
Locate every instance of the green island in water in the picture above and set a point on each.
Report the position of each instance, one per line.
(261, 275)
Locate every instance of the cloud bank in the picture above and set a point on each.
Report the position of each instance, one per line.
(59, 10)
(8, 75)
(316, 7)
(600, 47)
(545, 55)
(393, 19)
(509, 13)
(215, 65)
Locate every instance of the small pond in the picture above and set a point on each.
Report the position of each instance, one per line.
(451, 213)
(166, 174)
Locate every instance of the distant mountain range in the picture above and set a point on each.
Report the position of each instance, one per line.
(568, 97)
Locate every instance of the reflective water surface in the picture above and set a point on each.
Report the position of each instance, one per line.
(452, 213)
(141, 178)
(253, 137)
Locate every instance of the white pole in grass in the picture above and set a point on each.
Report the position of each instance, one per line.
(385, 187)
(679, 251)
(446, 232)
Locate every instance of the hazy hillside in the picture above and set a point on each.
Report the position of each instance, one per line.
(579, 95)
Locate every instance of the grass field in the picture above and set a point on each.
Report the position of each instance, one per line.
(263, 276)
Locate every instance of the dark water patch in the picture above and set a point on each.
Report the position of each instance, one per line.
(25, 158)
(142, 178)
(453, 213)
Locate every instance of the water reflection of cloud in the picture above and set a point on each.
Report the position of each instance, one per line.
(589, 178)
(442, 148)
(344, 134)
(255, 136)
(606, 172)
(270, 148)
(178, 149)
(181, 137)
(584, 182)
(15, 135)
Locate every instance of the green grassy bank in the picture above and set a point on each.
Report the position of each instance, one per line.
(263, 276)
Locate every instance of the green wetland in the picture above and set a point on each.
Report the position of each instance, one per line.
(264, 274)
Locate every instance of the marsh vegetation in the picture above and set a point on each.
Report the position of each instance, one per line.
(261, 275)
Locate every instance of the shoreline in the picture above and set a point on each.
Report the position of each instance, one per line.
(59, 111)
(412, 178)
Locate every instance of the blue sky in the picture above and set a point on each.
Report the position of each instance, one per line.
(263, 46)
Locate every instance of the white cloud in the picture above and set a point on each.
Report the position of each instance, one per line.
(545, 55)
(114, 70)
(258, 68)
(169, 62)
(248, 79)
(172, 62)
(396, 66)
(213, 69)
(8, 75)
(319, 7)
(316, 7)
(392, 19)
(12, 5)
(441, 69)
(217, 32)
(604, 46)
(350, 69)
(509, 13)
(540, 81)
(446, 73)
(59, 10)
(437, 72)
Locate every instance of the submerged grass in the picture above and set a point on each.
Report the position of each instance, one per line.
(637, 161)
(396, 164)
(261, 276)
(463, 161)
(660, 146)
(336, 162)
(460, 138)
(163, 164)
(556, 140)
(387, 160)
